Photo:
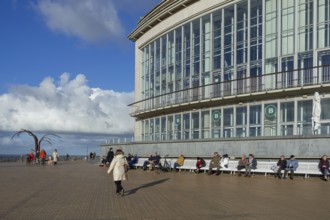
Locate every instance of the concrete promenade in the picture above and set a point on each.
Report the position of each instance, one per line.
(82, 190)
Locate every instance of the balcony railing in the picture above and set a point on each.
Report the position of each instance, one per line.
(263, 83)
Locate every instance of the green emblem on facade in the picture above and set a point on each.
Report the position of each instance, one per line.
(177, 119)
(270, 111)
(216, 115)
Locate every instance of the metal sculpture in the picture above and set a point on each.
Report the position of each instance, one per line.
(37, 142)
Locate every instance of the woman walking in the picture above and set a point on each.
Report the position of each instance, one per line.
(118, 166)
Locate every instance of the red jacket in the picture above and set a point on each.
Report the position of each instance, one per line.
(43, 154)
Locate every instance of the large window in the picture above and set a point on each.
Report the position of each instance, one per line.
(170, 60)
(242, 33)
(163, 128)
(323, 23)
(229, 36)
(256, 30)
(325, 116)
(304, 113)
(177, 127)
(287, 118)
(241, 121)
(217, 19)
(186, 125)
(324, 61)
(195, 125)
(305, 30)
(270, 119)
(157, 129)
(196, 46)
(286, 79)
(228, 122)
(178, 59)
(206, 49)
(170, 125)
(255, 121)
(205, 124)
(287, 27)
(216, 123)
(305, 69)
(271, 28)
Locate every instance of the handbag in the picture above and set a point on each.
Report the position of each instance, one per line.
(125, 167)
(274, 168)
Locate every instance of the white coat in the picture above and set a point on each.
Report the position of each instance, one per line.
(55, 156)
(117, 166)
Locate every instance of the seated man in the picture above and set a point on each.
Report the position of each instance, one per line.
(147, 162)
(129, 157)
(223, 163)
(155, 161)
(242, 164)
(133, 161)
(281, 165)
(251, 164)
(200, 163)
(215, 163)
(291, 166)
(152, 161)
(179, 162)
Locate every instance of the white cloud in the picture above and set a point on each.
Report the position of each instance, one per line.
(68, 106)
(90, 20)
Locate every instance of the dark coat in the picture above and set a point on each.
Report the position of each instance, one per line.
(110, 156)
(324, 165)
(281, 164)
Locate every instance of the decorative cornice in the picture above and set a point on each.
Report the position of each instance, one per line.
(161, 12)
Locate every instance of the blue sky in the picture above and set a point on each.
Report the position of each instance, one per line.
(67, 67)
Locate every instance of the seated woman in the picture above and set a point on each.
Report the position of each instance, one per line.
(179, 162)
(324, 167)
(223, 163)
(133, 161)
(199, 164)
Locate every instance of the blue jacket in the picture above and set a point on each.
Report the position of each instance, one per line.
(292, 165)
(253, 164)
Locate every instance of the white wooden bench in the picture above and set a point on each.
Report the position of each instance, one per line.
(140, 162)
(305, 168)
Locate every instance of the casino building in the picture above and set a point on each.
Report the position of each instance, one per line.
(232, 76)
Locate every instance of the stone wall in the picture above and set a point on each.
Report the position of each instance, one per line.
(300, 146)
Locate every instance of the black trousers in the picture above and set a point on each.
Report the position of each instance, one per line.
(119, 187)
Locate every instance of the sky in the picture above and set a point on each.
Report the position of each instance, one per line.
(67, 68)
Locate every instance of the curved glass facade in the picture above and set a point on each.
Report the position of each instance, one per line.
(252, 47)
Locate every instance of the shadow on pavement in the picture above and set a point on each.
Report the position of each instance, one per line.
(132, 191)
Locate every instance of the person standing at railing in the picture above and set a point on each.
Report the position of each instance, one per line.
(324, 167)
